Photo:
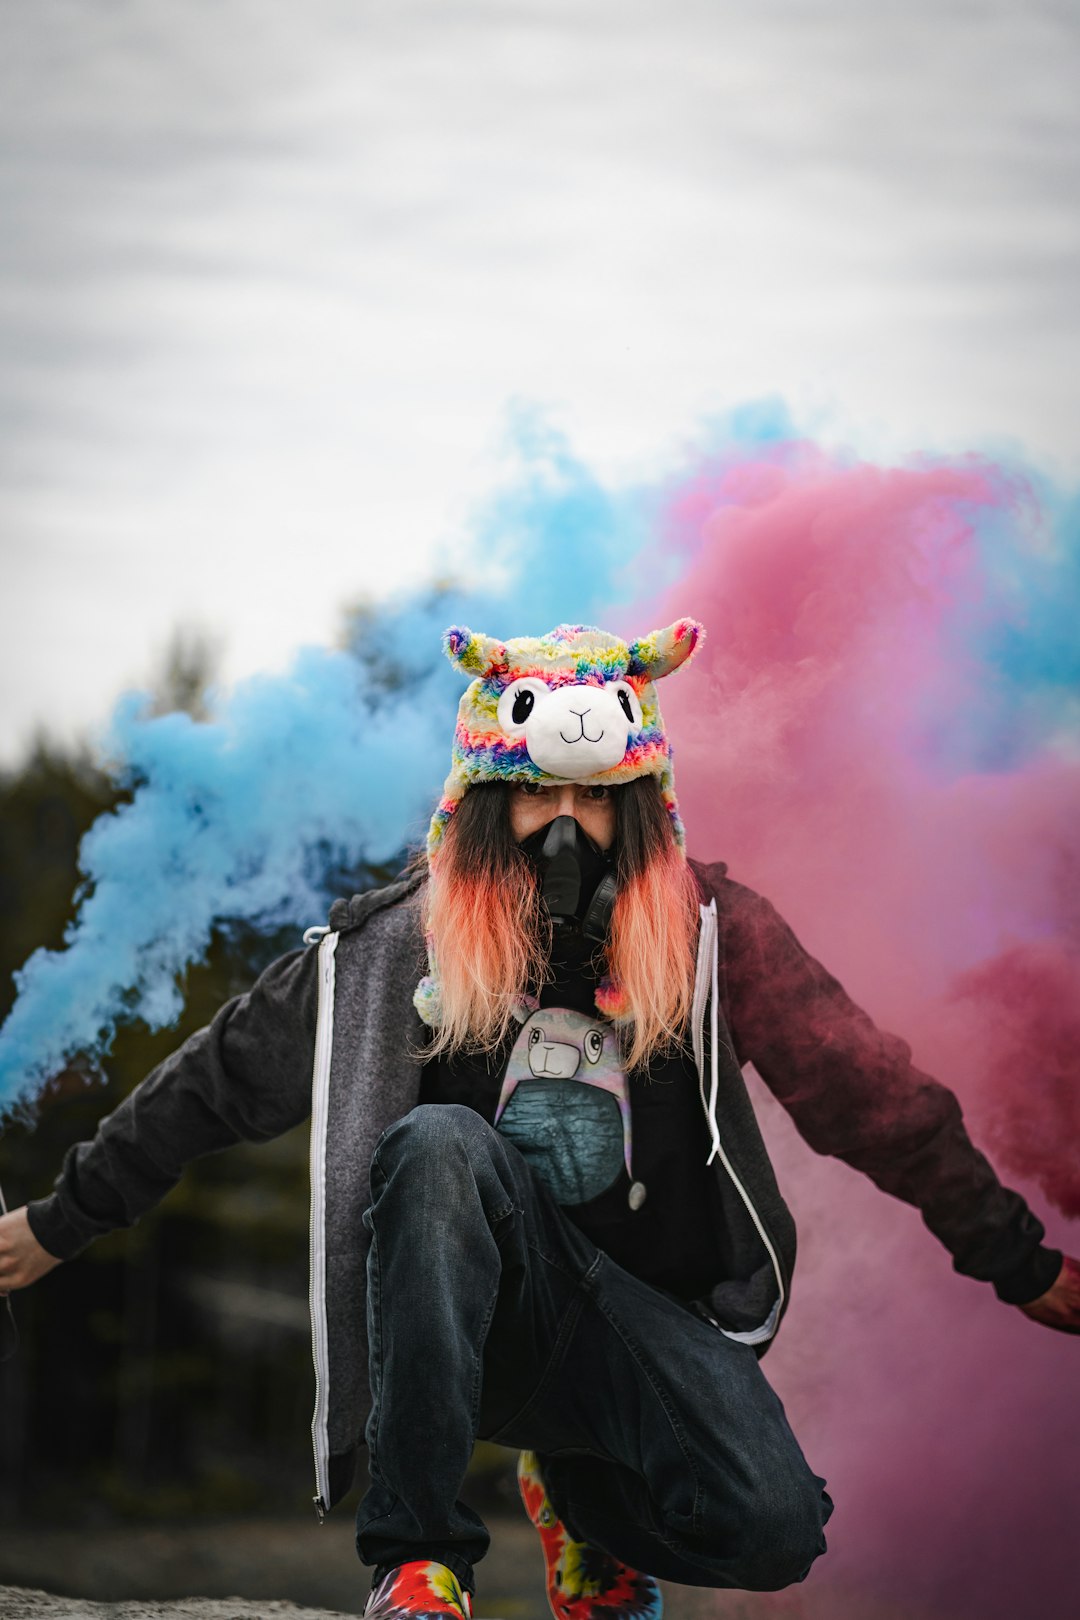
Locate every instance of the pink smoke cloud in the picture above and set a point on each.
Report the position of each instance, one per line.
(851, 742)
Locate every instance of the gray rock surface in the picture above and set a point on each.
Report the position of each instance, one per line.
(18, 1603)
(236, 1568)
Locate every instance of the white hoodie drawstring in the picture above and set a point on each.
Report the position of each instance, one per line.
(707, 972)
(714, 1042)
(708, 983)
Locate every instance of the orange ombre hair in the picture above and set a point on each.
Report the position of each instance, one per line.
(489, 934)
(652, 951)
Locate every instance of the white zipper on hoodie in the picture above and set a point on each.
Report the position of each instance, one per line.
(707, 989)
(320, 1096)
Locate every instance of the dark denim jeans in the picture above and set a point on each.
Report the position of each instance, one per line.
(490, 1315)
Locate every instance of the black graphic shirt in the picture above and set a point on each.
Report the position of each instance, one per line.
(624, 1155)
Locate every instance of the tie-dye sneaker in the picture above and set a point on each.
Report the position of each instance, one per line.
(582, 1582)
(419, 1590)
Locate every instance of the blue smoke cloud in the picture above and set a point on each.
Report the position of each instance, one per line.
(1031, 648)
(337, 761)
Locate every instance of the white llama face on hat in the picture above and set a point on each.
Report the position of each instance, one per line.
(571, 731)
(575, 705)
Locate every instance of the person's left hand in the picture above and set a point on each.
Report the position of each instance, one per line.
(1059, 1307)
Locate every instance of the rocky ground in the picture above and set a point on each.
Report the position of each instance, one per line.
(293, 1569)
(199, 1569)
(283, 1568)
(23, 1604)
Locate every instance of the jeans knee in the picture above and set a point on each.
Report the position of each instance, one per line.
(436, 1145)
(435, 1174)
(431, 1130)
(781, 1532)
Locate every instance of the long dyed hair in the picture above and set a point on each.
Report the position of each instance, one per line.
(490, 935)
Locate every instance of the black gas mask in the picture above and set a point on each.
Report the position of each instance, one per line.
(577, 877)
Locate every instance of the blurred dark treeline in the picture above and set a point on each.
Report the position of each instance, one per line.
(166, 1372)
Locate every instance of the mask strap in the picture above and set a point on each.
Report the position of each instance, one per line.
(597, 918)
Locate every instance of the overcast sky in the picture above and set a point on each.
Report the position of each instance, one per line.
(270, 275)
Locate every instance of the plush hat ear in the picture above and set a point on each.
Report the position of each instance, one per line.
(474, 654)
(661, 651)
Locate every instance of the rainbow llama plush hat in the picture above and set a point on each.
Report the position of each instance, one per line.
(575, 705)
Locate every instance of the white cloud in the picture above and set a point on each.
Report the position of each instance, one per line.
(270, 277)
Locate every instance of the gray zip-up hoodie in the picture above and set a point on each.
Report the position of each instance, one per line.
(332, 1030)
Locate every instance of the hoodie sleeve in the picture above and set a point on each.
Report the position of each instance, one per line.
(853, 1092)
(245, 1077)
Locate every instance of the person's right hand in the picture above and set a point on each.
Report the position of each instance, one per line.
(1059, 1307)
(22, 1259)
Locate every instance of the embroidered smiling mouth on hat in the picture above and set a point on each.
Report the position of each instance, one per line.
(583, 735)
